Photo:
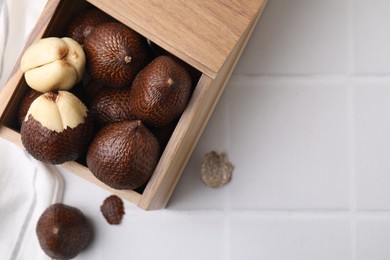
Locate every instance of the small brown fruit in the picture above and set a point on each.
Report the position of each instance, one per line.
(160, 92)
(63, 231)
(158, 51)
(111, 105)
(115, 54)
(85, 22)
(113, 210)
(57, 128)
(123, 155)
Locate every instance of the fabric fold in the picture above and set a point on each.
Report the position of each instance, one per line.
(27, 188)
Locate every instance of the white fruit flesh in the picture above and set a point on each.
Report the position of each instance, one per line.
(43, 52)
(58, 112)
(75, 56)
(45, 77)
(53, 64)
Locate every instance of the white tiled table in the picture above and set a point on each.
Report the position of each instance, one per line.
(305, 120)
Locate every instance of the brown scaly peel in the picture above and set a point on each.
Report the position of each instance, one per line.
(115, 54)
(85, 22)
(113, 209)
(194, 73)
(123, 155)
(160, 92)
(111, 105)
(57, 128)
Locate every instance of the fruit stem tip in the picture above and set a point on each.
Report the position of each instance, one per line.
(127, 59)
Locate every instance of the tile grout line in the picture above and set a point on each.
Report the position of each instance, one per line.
(352, 130)
(352, 171)
(351, 45)
(310, 213)
(228, 205)
(349, 74)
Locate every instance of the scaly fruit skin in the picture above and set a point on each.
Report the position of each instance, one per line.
(194, 73)
(113, 210)
(111, 105)
(50, 143)
(63, 231)
(123, 155)
(115, 54)
(85, 22)
(160, 92)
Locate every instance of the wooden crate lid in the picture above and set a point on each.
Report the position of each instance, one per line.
(201, 32)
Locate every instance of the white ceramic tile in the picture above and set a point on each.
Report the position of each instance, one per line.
(372, 38)
(373, 236)
(191, 193)
(280, 238)
(159, 236)
(298, 37)
(372, 116)
(289, 143)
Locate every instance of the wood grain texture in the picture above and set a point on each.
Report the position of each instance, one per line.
(189, 129)
(201, 32)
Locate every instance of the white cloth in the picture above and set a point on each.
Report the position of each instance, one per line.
(17, 19)
(27, 187)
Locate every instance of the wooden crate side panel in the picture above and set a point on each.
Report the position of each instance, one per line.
(169, 170)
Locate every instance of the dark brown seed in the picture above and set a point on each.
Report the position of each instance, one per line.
(123, 155)
(85, 22)
(63, 231)
(113, 210)
(160, 92)
(115, 54)
(111, 105)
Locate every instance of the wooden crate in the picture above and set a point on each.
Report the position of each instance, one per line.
(210, 35)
